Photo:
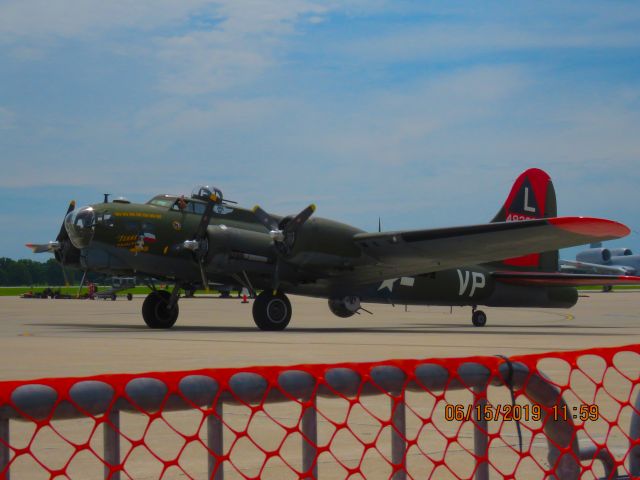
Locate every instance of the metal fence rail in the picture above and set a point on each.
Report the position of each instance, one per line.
(103, 399)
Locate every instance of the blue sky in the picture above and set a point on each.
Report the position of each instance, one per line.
(422, 113)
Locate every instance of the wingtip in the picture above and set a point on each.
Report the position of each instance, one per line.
(593, 227)
(255, 208)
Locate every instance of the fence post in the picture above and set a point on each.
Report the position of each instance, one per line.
(480, 432)
(215, 442)
(634, 439)
(398, 438)
(4, 447)
(111, 440)
(309, 444)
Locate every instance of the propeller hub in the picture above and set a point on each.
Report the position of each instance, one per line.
(277, 235)
(192, 245)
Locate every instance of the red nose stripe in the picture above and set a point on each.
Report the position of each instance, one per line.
(596, 227)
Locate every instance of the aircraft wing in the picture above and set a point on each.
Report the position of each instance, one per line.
(570, 265)
(407, 253)
(542, 279)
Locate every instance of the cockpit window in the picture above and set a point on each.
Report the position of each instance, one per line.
(189, 206)
(161, 201)
(198, 208)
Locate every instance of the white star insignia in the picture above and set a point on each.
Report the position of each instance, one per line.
(388, 284)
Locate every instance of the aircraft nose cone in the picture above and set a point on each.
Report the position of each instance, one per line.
(80, 225)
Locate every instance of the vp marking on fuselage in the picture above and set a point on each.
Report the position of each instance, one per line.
(471, 281)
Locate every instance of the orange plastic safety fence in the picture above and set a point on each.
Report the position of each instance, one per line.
(556, 415)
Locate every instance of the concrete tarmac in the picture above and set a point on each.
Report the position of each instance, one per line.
(43, 338)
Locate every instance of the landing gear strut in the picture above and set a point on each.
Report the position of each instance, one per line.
(271, 312)
(160, 308)
(478, 317)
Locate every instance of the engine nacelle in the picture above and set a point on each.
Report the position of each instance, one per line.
(223, 239)
(594, 255)
(621, 252)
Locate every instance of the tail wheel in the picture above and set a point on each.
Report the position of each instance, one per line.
(156, 311)
(479, 318)
(271, 312)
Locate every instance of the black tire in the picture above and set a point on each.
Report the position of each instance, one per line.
(271, 312)
(479, 318)
(156, 312)
(129, 296)
(113, 297)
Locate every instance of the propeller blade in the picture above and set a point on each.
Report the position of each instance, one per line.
(84, 275)
(296, 222)
(276, 276)
(43, 247)
(64, 275)
(206, 216)
(203, 275)
(264, 218)
(63, 258)
(62, 235)
(199, 244)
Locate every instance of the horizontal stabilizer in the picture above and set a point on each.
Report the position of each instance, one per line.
(584, 267)
(543, 279)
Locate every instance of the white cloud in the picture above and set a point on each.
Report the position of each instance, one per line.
(41, 20)
(447, 42)
(244, 43)
(200, 46)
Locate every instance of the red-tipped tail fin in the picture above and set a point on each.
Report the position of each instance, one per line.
(532, 196)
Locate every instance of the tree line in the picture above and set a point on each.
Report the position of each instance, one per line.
(25, 272)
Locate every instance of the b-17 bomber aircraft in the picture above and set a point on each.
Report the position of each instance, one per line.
(510, 262)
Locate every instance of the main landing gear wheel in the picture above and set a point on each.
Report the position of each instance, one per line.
(156, 311)
(271, 312)
(479, 318)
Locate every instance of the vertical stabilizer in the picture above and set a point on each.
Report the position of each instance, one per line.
(532, 196)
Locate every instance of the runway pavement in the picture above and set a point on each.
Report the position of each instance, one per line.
(41, 338)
